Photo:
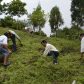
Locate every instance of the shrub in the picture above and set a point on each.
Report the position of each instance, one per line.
(8, 21)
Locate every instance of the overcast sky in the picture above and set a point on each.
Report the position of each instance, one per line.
(64, 6)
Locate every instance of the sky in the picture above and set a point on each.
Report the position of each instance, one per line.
(47, 5)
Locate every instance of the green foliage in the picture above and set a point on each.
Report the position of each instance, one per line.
(18, 25)
(30, 67)
(77, 9)
(8, 21)
(37, 17)
(1, 7)
(38, 33)
(55, 19)
(16, 8)
(70, 33)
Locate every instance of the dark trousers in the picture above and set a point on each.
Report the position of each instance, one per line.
(14, 48)
(55, 55)
(13, 38)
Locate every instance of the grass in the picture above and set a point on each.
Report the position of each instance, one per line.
(30, 67)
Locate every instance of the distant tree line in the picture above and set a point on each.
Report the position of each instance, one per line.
(14, 8)
(38, 17)
(69, 33)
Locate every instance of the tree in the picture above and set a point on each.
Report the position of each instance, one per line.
(7, 22)
(16, 8)
(37, 18)
(55, 19)
(18, 25)
(65, 30)
(1, 7)
(77, 9)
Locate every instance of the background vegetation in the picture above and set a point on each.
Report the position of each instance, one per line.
(30, 67)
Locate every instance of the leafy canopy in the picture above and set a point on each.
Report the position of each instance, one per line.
(77, 9)
(37, 17)
(1, 7)
(55, 18)
(16, 8)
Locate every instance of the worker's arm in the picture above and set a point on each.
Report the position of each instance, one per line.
(20, 42)
(47, 49)
(6, 47)
(18, 39)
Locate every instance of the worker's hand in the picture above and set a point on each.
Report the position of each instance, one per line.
(21, 44)
(10, 51)
(41, 53)
(41, 50)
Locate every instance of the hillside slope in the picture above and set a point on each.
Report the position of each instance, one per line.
(30, 67)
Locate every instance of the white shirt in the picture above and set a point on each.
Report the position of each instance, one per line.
(3, 40)
(82, 45)
(14, 34)
(49, 48)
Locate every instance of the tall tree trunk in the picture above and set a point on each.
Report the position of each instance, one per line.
(56, 30)
(40, 30)
(56, 33)
(34, 28)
